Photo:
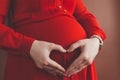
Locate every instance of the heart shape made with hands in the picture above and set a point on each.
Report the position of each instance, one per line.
(67, 60)
(79, 55)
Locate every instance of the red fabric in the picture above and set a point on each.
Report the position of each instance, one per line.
(87, 20)
(44, 20)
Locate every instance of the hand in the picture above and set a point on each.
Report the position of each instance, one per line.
(89, 49)
(40, 51)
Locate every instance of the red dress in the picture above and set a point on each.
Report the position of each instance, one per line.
(58, 21)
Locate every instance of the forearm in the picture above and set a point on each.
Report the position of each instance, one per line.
(88, 21)
(11, 40)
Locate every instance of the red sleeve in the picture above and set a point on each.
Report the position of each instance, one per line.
(88, 20)
(9, 39)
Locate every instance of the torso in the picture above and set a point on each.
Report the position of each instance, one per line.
(62, 29)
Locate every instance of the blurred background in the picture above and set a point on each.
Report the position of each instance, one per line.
(107, 13)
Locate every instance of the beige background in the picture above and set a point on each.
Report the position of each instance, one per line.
(107, 62)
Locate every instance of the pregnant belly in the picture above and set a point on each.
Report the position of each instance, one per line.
(61, 30)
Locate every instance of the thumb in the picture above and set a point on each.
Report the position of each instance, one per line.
(74, 46)
(56, 65)
(59, 48)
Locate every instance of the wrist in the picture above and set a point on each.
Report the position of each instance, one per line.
(99, 39)
(26, 44)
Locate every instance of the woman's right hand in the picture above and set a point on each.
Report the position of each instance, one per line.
(40, 51)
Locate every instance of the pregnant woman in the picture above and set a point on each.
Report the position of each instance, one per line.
(49, 40)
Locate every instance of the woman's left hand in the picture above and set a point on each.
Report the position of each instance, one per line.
(89, 49)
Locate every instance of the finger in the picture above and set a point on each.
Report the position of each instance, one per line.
(59, 48)
(78, 62)
(87, 58)
(77, 69)
(53, 70)
(56, 65)
(73, 65)
(50, 71)
(74, 46)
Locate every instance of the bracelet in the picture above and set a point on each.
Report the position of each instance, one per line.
(99, 38)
